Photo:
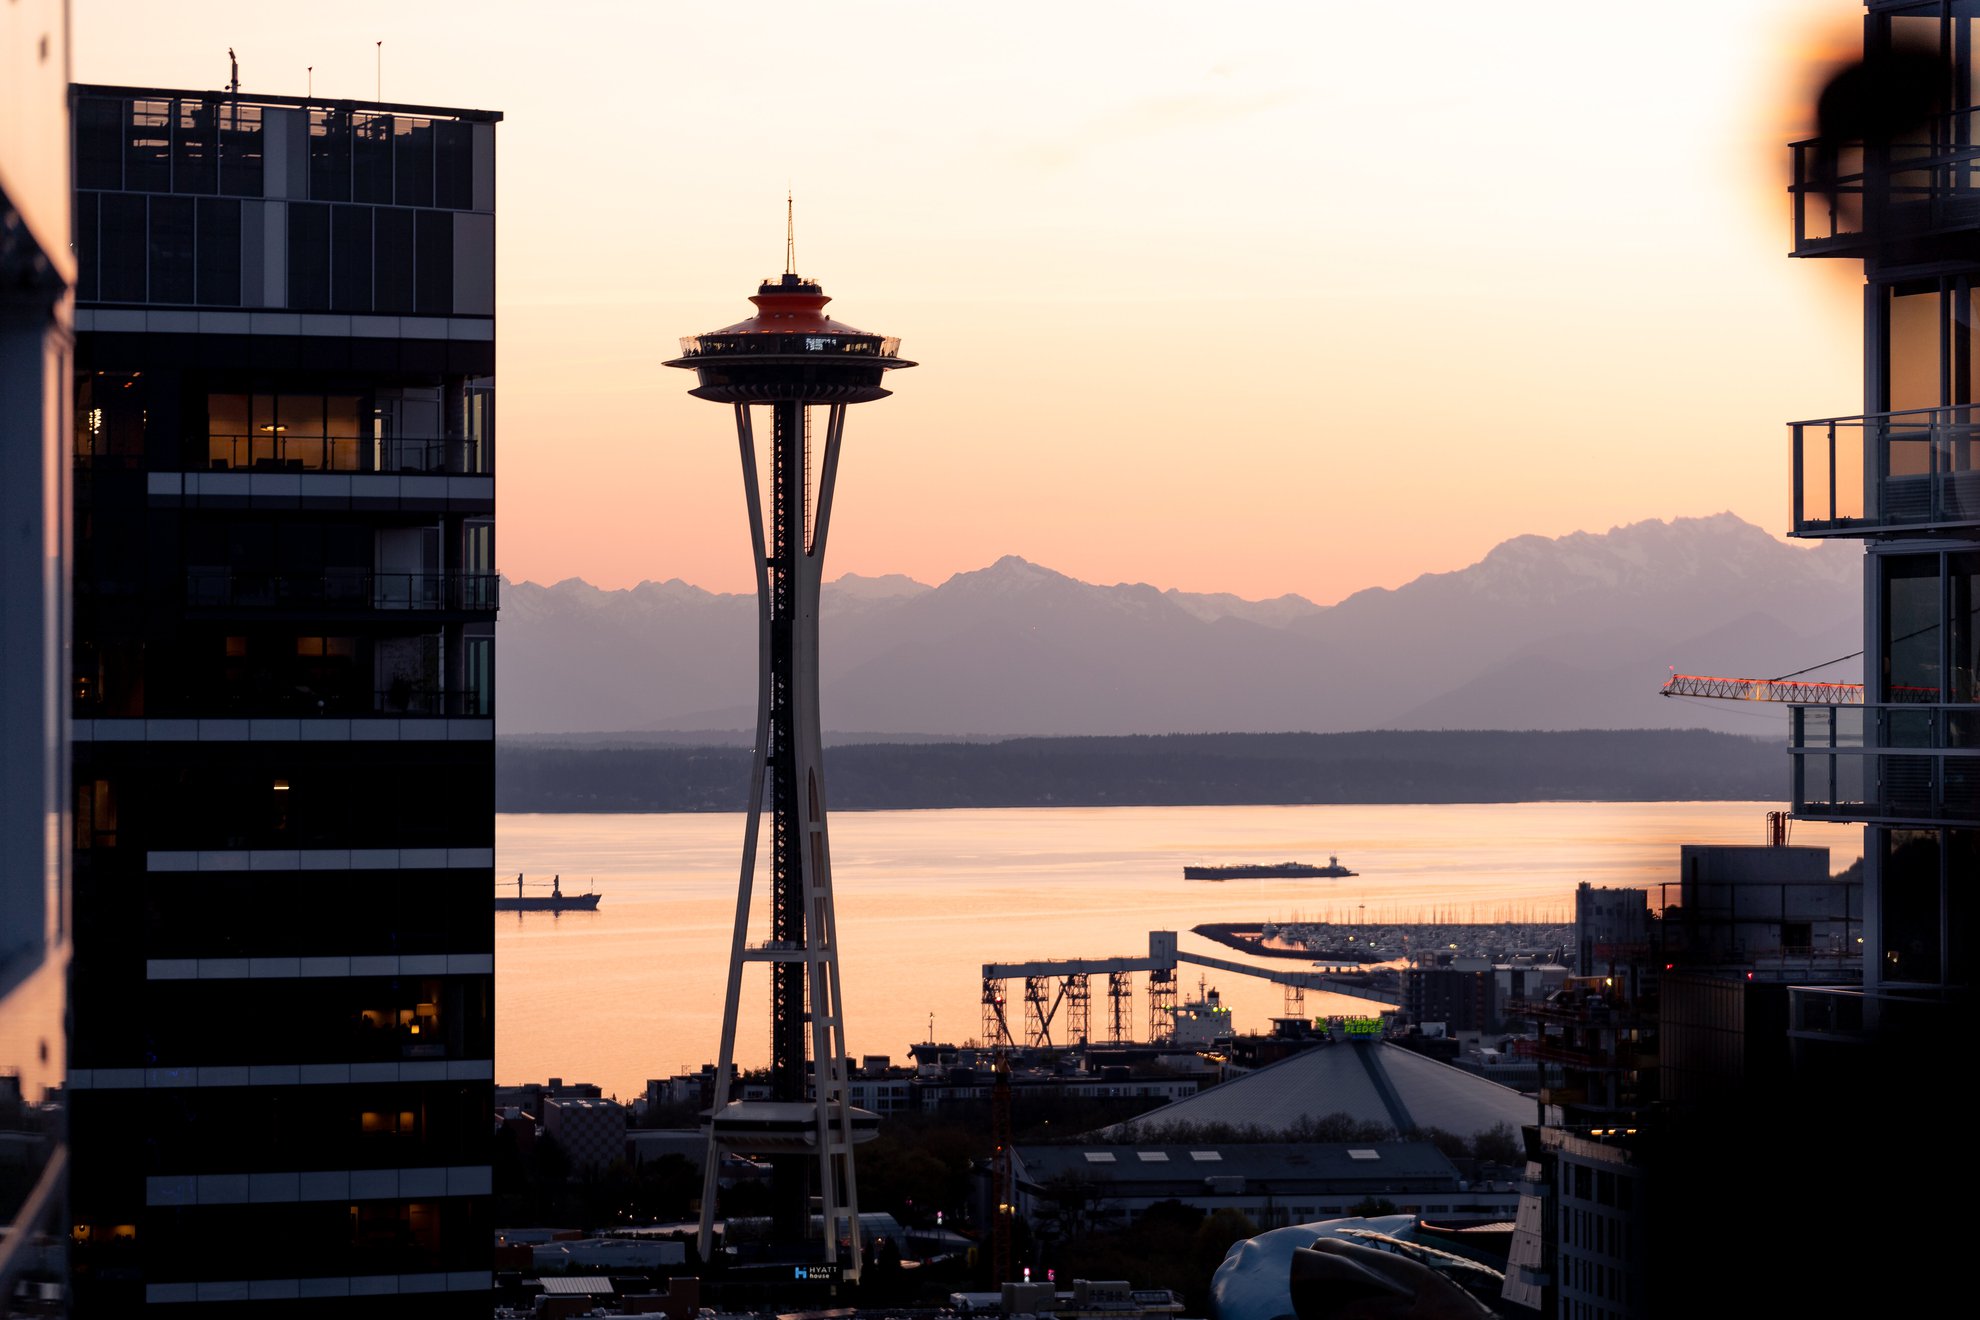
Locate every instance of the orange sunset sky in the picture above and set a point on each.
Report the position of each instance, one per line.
(1263, 298)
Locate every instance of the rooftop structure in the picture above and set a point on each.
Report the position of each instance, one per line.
(1371, 1081)
(1773, 911)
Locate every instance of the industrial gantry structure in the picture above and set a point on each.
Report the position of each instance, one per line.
(789, 358)
(1053, 984)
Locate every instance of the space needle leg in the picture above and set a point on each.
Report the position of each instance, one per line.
(752, 823)
(832, 1113)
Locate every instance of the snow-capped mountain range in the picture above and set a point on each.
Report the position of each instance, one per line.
(1572, 632)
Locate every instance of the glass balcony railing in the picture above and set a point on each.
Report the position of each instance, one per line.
(1893, 762)
(456, 455)
(341, 590)
(1917, 470)
(754, 342)
(1853, 1014)
(1851, 196)
(275, 700)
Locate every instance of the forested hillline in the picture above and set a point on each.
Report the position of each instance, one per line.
(1229, 769)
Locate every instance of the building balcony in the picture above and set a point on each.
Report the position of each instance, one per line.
(1851, 199)
(1880, 474)
(451, 456)
(342, 591)
(1891, 763)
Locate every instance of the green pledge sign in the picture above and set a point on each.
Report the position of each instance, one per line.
(1362, 1026)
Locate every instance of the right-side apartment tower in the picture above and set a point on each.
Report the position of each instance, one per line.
(1893, 180)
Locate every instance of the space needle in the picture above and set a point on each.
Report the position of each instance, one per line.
(791, 359)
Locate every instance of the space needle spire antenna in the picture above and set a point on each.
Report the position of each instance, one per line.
(790, 236)
(789, 360)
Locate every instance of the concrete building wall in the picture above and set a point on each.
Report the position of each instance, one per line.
(35, 345)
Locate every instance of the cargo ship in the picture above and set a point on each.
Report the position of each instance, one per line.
(1201, 1021)
(554, 901)
(1267, 871)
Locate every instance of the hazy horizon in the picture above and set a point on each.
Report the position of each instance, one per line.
(839, 578)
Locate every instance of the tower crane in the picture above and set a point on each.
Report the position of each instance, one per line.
(1785, 690)
(1800, 694)
(1763, 689)
(1780, 689)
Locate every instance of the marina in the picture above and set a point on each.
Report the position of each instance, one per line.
(1398, 941)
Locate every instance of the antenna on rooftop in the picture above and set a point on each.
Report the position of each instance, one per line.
(790, 236)
(310, 74)
(379, 94)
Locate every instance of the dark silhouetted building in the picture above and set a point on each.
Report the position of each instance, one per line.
(283, 697)
(1749, 922)
(1612, 931)
(1581, 1246)
(1459, 994)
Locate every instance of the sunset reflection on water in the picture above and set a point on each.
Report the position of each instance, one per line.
(634, 990)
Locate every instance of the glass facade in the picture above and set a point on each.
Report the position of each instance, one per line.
(193, 202)
(212, 144)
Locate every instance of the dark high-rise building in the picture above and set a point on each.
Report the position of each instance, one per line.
(283, 698)
(1458, 994)
(35, 273)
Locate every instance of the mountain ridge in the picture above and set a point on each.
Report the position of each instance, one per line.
(1538, 631)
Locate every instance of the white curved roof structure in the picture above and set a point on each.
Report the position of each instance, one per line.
(1375, 1082)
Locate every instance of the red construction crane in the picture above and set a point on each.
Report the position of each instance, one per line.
(1781, 689)
(1765, 689)
(1800, 694)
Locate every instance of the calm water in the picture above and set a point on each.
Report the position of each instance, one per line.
(634, 990)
